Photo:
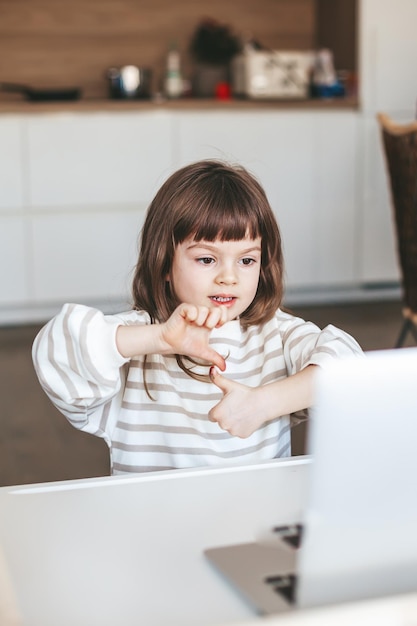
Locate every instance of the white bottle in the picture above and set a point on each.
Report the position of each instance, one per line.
(173, 78)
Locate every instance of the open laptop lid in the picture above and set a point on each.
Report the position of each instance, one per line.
(361, 515)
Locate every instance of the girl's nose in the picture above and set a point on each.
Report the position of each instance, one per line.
(226, 275)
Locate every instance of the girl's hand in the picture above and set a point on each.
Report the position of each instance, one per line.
(244, 409)
(187, 332)
(239, 411)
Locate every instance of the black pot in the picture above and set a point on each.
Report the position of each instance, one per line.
(129, 82)
(42, 95)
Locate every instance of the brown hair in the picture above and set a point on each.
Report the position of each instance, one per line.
(208, 200)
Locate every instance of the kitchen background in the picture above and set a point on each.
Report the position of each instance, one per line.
(62, 43)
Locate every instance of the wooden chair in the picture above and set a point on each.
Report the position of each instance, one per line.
(400, 149)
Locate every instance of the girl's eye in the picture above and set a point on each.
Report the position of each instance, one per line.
(205, 260)
(247, 261)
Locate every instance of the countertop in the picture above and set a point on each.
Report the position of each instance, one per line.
(8, 105)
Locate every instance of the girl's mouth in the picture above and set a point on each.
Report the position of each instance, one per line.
(223, 300)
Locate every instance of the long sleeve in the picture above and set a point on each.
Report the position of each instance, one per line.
(77, 362)
(304, 343)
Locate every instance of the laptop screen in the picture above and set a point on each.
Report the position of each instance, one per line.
(361, 511)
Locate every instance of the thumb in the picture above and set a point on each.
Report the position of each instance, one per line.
(214, 357)
(224, 384)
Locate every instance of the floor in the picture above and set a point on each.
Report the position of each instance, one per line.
(36, 442)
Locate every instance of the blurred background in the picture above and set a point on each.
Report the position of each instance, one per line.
(101, 101)
(73, 42)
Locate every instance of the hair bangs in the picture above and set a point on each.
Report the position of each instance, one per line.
(223, 216)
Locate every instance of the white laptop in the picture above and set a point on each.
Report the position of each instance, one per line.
(357, 538)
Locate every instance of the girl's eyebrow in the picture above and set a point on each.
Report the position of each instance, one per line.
(208, 246)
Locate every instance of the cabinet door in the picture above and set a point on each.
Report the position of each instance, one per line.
(97, 158)
(11, 162)
(84, 257)
(13, 234)
(336, 226)
(278, 147)
(13, 261)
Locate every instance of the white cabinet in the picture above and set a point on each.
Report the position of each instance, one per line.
(336, 226)
(90, 178)
(14, 266)
(84, 256)
(11, 162)
(14, 279)
(75, 187)
(278, 148)
(84, 181)
(306, 161)
(97, 158)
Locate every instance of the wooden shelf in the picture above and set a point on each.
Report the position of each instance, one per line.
(86, 105)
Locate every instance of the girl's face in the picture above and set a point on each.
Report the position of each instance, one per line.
(217, 273)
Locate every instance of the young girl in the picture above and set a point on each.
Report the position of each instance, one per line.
(206, 369)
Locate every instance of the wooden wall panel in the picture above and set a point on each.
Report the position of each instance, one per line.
(337, 24)
(48, 43)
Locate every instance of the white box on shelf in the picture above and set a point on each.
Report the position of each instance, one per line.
(271, 74)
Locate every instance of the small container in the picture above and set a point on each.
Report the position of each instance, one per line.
(129, 82)
(223, 91)
(173, 78)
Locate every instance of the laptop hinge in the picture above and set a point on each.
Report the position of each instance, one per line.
(285, 585)
(291, 534)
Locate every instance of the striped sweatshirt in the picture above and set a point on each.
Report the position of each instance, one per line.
(103, 393)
